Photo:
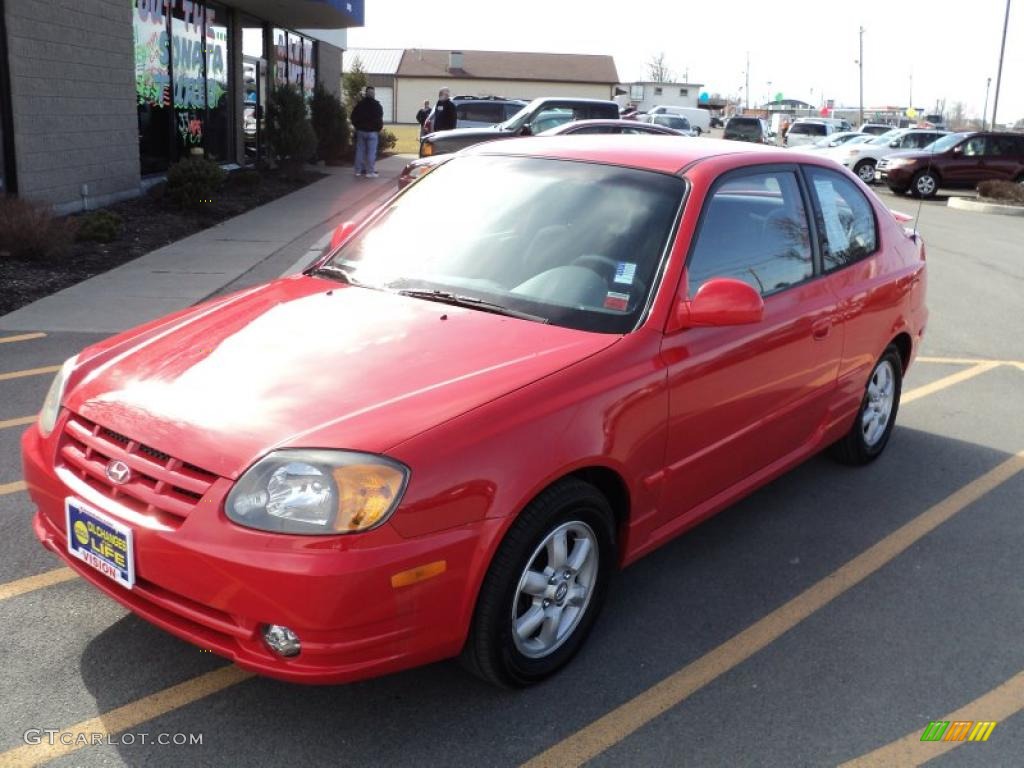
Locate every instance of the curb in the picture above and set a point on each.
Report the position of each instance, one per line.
(967, 204)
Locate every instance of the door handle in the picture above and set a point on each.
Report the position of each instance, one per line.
(821, 329)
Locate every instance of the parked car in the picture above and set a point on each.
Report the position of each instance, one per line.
(716, 122)
(876, 129)
(804, 132)
(479, 111)
(700, 119)
(675, 122)
(957, 161)
(408, 453)
(837, 139)
(862, 158)
(536, 117)
(742, 128)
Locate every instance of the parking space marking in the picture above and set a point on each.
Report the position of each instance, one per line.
(21, 337)
(608, 730)
(123, 718)
(947, 381)
(32, 583)
(995, 706)
(29, 372)
(8, 488)
(968, 361)
(17, 422)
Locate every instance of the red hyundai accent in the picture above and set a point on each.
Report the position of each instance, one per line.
(424, 448)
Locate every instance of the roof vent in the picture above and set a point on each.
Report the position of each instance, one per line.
(454, 61)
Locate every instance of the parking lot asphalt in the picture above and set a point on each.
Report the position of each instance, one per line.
(824, 620)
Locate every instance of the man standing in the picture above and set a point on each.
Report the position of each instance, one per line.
(445, 117)
(423, 114)
(368, 120)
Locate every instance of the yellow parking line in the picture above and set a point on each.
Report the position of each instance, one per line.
(7, 488)
(21, 337)
(613, 727)
(995, 706)
(17, 422)
(947, 381)
(123, 718)
(29, 372)
(967, 361)
(32, 583)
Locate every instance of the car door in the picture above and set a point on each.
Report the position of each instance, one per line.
(964, 165)
(742, 398)
(1001, 159)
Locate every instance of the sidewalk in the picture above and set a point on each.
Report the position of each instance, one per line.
(266, 242)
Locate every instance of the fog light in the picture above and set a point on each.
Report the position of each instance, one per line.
(281, 640)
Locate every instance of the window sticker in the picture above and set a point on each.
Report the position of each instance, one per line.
(625, 271)
(616, 301)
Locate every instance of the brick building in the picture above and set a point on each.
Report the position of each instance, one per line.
(98, 95)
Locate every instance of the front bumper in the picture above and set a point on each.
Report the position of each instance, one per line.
(214, 584)
(898, 177)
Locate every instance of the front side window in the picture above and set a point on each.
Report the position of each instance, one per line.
(974, 146)
(573, 243)
(754, 228)
(846, 222)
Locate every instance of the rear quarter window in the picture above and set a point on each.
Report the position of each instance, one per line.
(846, 221)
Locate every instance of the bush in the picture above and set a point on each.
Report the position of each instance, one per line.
(193, 183)
(31, 231)
(100, 226)
(330, 123)
(387, 142)
(1004, 191)
(289, 132)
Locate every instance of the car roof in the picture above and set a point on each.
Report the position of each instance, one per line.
(636, 151)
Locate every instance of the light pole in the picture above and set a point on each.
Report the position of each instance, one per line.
(999, 72)
(860, 63)
(984, 112)
(746, 86)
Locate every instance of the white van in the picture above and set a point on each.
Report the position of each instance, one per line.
(700, 119)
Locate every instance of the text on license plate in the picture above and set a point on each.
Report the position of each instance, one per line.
(100, 542)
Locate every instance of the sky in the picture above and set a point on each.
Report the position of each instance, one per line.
(942, 49)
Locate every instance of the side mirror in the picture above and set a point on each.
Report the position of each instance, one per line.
(720, 301)
(341, 233)
(958, 150)
(526, 130)
(894, 143)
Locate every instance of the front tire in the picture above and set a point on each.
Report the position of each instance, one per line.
(545, 587)
(925, 184)
(865, 170)
(871, 429)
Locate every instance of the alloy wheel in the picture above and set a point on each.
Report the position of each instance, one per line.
(878, 409)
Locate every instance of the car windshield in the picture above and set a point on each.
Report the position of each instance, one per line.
(883, 139)
(744, 127)
(811, 129)
(946, 142)
(517, 120)
(573, 243)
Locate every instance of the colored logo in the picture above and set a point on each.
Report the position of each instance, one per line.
(118, 472)
(958, 730)
(81, 533)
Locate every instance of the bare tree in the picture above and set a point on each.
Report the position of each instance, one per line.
(657, 69)
(956, 116)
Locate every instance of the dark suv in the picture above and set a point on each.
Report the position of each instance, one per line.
(746, 129)
(479, 111)
(956, 160)
(537, 116)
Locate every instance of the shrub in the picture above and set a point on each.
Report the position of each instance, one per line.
(387, 142)
(330, 123)
(289, 132)
(100, 226)
(353, 83)
(31, 231)
(1004, 191)
(193, 183)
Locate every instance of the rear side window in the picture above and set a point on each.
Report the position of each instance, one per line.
(811, 129)
(754, 228)
(480, 111)
(846, 222)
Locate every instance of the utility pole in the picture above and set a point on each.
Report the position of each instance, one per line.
(911, 104)
(746, 86)
(984, 112)
(999, 72)
(860, 61)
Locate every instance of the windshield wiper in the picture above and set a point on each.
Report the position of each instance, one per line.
(447, 297)
(337, 272)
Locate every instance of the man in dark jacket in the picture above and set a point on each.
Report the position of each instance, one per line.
(423, 114)
(445, 117)
(368, 120)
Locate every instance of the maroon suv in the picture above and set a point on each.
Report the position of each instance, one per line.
(955, 160)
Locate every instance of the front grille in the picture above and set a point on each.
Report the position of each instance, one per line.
(882, 164)
(159, 482)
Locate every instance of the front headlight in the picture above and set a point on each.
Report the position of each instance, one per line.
(51, 405)
(899, 162)
(317, 492)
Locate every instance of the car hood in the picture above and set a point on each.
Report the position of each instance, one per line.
(488, 132)
(304, 362)
(914, 154)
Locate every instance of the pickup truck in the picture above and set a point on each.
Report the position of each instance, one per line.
(536, 117)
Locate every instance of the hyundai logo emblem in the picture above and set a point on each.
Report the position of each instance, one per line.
(118, 472)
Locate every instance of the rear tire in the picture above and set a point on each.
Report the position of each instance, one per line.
(925, 184)
(509, 644)
(876, 416)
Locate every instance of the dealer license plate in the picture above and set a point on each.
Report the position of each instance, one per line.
(100, 542)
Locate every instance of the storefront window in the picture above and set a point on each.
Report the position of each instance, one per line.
(189, 77)
(152, 84)
(308, 68)
(294, 61)
(217, 140)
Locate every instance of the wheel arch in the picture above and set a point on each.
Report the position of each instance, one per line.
(904, 345)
